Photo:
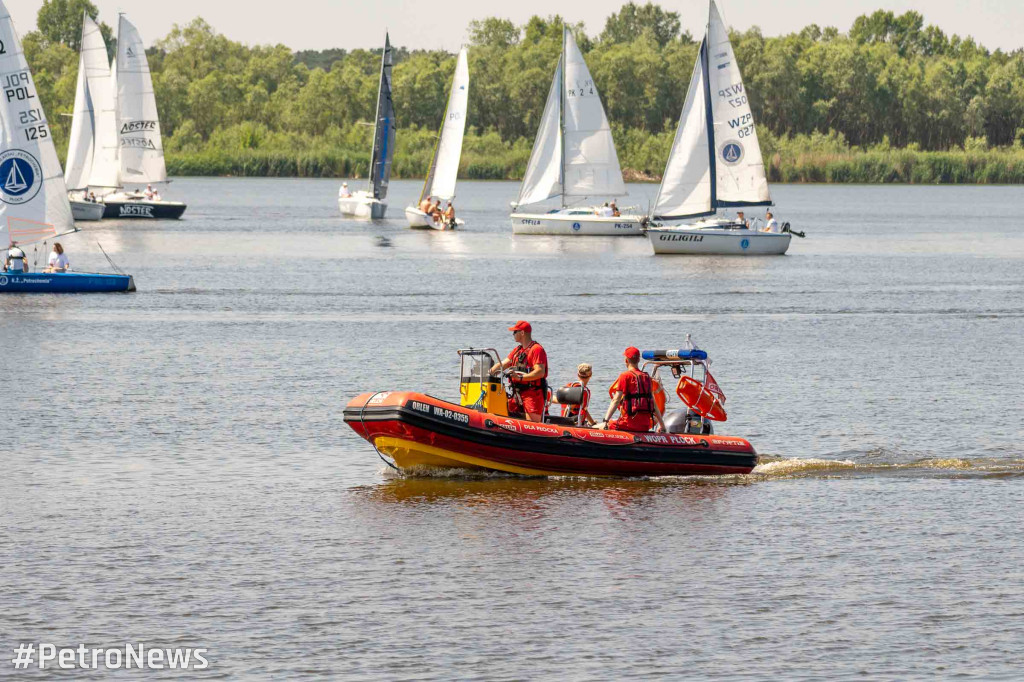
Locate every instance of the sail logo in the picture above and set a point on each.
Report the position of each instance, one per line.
(21, 177)
(130, 53)
(138, 142)
(137, 126)
(587, 88)
(136, 211)
(731, 152)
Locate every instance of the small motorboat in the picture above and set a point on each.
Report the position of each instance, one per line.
(64, 282)
(412, 430)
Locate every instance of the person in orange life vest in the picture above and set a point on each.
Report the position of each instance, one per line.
(583, 373)
(635, 397)
(530, 362)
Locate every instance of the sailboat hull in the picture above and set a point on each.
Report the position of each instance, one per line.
(716, 241)
(363, 206)
(142, 208)
(64, 283)
(580, 224)
(419, 219)
(86, 210)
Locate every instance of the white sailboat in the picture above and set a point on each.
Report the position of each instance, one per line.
(140, 151)
(573, 158)
(715, 162)
(444, 167)
(34, 204)
(371, 204)
(92, 148)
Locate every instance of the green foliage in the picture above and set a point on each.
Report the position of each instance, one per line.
(894, 100)
(60, 21)
(633, 21)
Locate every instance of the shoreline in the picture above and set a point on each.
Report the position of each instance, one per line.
(1003, 166)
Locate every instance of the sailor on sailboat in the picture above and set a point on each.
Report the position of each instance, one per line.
(715, 162)
(370, 204)
(34, 203)
(573, 158)
(444, 167)
(140, 149)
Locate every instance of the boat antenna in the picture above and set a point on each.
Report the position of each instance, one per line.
(109, 260)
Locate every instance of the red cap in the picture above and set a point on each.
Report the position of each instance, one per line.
(521, 326)
(632, 353)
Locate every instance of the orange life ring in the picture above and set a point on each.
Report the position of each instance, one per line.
(698, 398)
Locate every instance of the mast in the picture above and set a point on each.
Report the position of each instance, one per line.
(376, 117)
(437, 143)
(709, 115)
(561, 119)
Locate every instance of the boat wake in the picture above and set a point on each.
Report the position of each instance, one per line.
(773, 468)
(876, 465)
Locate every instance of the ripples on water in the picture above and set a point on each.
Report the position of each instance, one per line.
(178, 472)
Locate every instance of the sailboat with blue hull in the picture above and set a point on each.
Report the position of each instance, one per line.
(64, 282)
(34, 204)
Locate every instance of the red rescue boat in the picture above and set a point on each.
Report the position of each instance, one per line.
(413, 430)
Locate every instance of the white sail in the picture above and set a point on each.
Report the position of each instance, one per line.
(105, 171)
(33, 198)
(740, 176)
(83, 127)
(686, 186)
(140, 148)
(445, 169)
(591, 164)
(543, 178)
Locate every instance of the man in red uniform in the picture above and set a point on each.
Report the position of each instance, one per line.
(530, 362)
(635, 396)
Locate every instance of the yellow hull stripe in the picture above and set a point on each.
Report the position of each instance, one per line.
(407, 454)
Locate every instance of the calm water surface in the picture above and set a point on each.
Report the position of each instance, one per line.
(177, 473)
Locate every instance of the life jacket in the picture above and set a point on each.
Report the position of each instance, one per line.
(639, 397)
(520, 364)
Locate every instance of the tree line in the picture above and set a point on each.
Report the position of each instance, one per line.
(889, 82)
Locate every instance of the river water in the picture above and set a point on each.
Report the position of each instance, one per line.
(177, 472)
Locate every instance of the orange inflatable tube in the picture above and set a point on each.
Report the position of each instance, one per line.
(699, 399)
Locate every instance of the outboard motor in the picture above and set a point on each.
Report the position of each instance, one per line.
(687, 421)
